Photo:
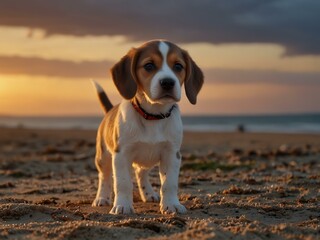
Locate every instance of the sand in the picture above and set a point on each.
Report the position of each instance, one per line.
(235, 186)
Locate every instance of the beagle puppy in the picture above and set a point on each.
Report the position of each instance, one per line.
(145, 129)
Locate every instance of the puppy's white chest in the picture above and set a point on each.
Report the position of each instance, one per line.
(147, 155)
(153, 133)
(146, 142)
(150, 143)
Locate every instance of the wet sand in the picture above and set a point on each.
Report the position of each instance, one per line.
(235, 185)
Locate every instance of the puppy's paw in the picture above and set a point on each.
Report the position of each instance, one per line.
(98, 202)
(153, 197)
(121, 209)
(172, 208)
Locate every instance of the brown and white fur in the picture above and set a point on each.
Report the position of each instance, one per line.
(152, 75)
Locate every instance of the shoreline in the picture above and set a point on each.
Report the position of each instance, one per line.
(295, 123)
(186, 130)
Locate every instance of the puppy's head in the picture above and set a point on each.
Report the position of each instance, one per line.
(157, 70)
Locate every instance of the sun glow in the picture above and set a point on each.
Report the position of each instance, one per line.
(41, 95)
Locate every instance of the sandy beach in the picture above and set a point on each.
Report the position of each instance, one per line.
(235, 186)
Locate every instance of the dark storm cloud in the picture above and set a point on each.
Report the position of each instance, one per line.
(57, 68)
(293, 24)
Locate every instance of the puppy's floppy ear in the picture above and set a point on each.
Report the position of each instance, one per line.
(194, 79)
(124, 75)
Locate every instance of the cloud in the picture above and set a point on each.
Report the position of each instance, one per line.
(56, 68)
(293, 24)
(227, 76)
(99, 69)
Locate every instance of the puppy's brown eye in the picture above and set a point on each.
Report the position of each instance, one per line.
(177, 67)
(149, 67)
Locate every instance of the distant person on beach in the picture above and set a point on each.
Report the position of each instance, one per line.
(241, 128)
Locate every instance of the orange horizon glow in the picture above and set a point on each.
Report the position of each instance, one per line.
(79, 99)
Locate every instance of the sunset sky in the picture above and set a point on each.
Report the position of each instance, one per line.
(258, 57)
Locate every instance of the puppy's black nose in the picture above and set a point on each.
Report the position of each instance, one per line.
(167, 83)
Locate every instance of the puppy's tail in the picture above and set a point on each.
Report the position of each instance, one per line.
(104, 100)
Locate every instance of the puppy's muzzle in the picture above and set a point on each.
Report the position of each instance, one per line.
(167, 84)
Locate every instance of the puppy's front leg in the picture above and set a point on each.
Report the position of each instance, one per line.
(123, 201)
(169, 174)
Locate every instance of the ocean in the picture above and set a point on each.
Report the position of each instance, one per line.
(290, 123)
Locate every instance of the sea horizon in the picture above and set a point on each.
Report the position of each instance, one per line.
(269, 123)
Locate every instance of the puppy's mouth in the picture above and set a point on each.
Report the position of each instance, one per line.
(168, 97)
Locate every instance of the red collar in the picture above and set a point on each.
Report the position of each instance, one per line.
(149, 116)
